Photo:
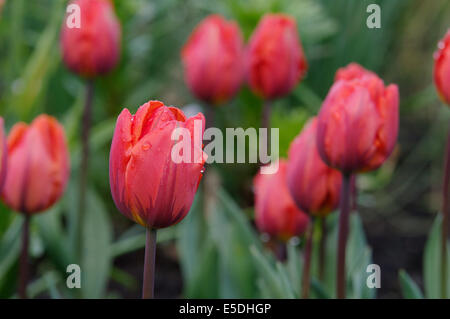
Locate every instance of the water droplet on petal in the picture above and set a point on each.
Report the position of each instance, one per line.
(146, 146)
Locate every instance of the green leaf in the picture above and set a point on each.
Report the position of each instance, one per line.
(432, 261)
(96, 259)
(50, 229)
(409, 288)
(269, 275)
(38, 67)
(10, 245)
(128, 243)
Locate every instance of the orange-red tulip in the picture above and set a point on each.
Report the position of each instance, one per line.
(94, 48)
(275, 211)
(275, 58)
(213, 60)
(314, 186)
(442, 68)
(358, 122)
(3, 154)
(147, 185)
(38, 165)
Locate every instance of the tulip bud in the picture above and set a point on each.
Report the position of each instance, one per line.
(442, 68)
(3, 154)
(38, 165)
(275, 211)
(213, 60)
(93, 48)
(314, 186)
(147, 185)
(351, 71)
(275, 58)
(358, 122)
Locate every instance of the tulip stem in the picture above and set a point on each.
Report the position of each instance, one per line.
(86, 127)
(343, 234)
(265, 122)
(23, 277)
(148, 285)
(445, 222)
(322, 247)
(306, 276)
(267, 108)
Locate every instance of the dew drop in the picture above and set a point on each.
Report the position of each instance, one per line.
(146, 146)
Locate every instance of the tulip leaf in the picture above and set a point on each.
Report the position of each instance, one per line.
(410, 289)
(128, 243)
(294, 267)
(50, 229)
(96, 258)
(10, 244)
(268, 274)
(432, 261)
(236, 270)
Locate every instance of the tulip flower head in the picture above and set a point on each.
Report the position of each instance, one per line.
(358, 123)
(442, 68)
(275, 211)
(3, 154)
(93, 48)
(213, 60)
(314, 186)
(275, 58)
(146, 184)
(38, 165)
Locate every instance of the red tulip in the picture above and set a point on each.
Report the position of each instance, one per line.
(3, 154)
(351, 71)
(213, 60)
(38, 165)
(275, 58)
(314, 186)
(92, 49)
(146, 184)
(275, 211)
(442, 68)
(358, 122)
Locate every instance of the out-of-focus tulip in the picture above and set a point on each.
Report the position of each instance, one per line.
(442, 68)
(94, 48)
(314, 186)
(358, 122)
(213, 60)
(147, 185)
(3, 154)
(351, 71)
(275, 211)
(275, 58)
(38, 165)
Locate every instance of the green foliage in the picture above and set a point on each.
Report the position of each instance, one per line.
(409, 288)
(220, 253)
(432, 261)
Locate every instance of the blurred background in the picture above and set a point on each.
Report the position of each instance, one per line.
(397, 203)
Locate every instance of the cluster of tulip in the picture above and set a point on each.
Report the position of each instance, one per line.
(355, 131)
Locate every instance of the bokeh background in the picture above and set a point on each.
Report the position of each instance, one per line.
(397, 204)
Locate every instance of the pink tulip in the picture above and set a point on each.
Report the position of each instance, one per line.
(213, 60)
(275, 58)
(38, 165)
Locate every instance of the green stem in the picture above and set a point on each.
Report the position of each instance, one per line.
(445, 222)
(148, 284)
(23, 277)
(322, 247)
(343, 235)
(84, 166)
(306, 276)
